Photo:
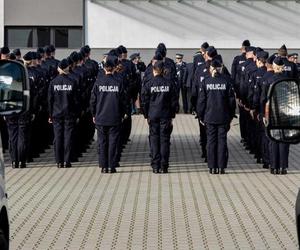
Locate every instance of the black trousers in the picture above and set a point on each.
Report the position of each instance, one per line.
(108, 143)
(217, 151)
(279, 155)
(18, 132)
(184, 95)
(243, 123)
(203, 138)
(265, 147)
(63, 139)
(160, 134)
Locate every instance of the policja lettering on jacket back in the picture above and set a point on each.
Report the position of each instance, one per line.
(108, 88)
(216, 86)
(62, 87)
(160, 89)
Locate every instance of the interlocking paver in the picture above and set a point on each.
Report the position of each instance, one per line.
(80, 208)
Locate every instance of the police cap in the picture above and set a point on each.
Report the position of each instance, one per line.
(74, 56)
(12, 56)
(250, 49)
(4, 50)
(39, 56)
(17, 52)
(293, 55)
(34, 55)
(28, 56)
(215, 63)
(219, 58)
(111, 61)
(40, 50)
(270, 60)
(63, 64)
(211, 51)
(262, 55)
(134, 55)
(113, 52)
(52, 48)
(278, 61)
(179, 56)
(47, 50)
(257, 49)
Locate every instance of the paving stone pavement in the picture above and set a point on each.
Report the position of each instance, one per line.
(80, 208)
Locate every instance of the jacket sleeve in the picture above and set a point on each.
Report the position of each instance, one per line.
(231, 101)
(145, 99)
(264, 97)
(201, 101)
(50, 99)
(174, 101)
(93, 100)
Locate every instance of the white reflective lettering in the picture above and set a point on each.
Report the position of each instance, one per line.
(108, 88)
(216, 86)
(62, 87)
(158, 89)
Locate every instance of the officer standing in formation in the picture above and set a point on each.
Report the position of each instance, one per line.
(253, 73)
(109, 107)
(63, 106)
(140, 68)
(30, 133)
(216, 109)
(160, 103)
(182, 80)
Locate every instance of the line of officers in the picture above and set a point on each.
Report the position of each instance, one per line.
(77, 94)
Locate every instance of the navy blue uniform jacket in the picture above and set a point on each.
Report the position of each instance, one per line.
(159, 99)
(108, 101)
(216, 100)
(63, 97)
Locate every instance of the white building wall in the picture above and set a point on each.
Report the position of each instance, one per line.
(186, 24)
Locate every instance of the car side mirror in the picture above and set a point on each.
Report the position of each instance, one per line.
(14, 88)
(283, 111)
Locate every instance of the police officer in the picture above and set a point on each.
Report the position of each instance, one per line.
(236, 74)
(254, 93)
(159, 101)
(199, 57)
(294, 59)
(19, 125)
(108, 106)
(63, 110)
(279, 152)
(202, 72)
(290, 68)
(216, 109)
(182, 79)
(140, 68)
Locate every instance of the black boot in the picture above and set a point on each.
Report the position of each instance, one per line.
(277, 171)
(23, 164)
(104, 170)
(210, 170)
(284, 171)
(222, 171)
(112, 171)
(216, 170)
(60, 165)
(15, 164)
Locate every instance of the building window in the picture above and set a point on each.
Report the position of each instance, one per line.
(19, 37)
(33, 37)
(43, 36)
